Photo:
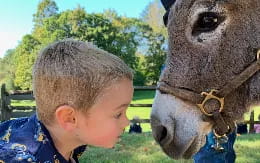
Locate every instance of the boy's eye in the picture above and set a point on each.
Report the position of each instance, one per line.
(118, 115)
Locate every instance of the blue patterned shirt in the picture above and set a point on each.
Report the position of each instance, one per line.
(209, 155)
(26, 140)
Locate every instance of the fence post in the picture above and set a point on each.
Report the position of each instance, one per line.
(2, 101)
(5, 112)
(251, 125)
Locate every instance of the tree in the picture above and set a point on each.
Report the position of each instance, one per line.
(103, 31)
(156, 40)
(25, 56)
(155, 58)
(140, 78)
(7, 69)
(45, 9)
(153, 15)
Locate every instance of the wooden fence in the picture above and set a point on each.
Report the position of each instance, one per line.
(7, 111)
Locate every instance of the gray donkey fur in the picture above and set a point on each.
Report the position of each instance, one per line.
(203, 59)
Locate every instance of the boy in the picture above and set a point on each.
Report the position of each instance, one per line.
(81, 94)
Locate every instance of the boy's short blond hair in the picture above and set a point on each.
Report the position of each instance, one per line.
(73, 73)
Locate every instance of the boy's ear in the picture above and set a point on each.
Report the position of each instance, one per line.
(66, 117)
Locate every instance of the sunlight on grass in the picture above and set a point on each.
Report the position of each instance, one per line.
(23, 103)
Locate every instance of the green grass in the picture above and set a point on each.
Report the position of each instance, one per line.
(23, 103)
(248, 148)
(133, 148)
(141, 148)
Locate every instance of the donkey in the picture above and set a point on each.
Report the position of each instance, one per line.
(212, 73)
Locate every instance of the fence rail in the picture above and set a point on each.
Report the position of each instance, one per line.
(7, 111)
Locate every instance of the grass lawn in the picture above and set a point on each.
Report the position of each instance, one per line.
(248, 148)
(133, 148)
(141, 148)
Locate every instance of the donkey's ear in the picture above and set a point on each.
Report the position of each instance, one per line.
(167, 4)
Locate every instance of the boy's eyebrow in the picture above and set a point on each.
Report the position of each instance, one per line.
(123, 105)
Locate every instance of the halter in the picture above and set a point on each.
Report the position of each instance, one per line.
(222, 126)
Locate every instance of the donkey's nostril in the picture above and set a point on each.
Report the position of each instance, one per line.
(164, 134)
(161, 134)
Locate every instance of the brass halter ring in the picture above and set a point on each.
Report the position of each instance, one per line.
(217, 135)
(208, 97)
(220, 136)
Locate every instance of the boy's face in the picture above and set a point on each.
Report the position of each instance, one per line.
(106, 119)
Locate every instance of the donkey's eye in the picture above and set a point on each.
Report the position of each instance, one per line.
(207, 21)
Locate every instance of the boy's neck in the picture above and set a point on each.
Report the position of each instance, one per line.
(59, 137)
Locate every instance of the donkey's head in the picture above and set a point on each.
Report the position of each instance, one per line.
(211, 43)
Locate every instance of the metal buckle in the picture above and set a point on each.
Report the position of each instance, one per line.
(208, 97)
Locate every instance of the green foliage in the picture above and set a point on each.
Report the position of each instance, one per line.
(156, 58)
(139, 78)
(139, 74)
(25, 57)
(96, 28)
(156, 40)
(7, 69)
(153, 14)
(45, 9)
